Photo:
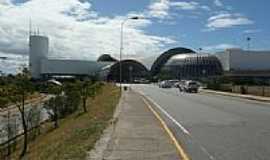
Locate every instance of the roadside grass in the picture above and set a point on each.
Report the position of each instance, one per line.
(78, 132)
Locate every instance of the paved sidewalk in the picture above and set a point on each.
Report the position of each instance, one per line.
(138, 135)
(246, 96)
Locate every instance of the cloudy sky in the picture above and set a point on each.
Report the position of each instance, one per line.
(85, 29)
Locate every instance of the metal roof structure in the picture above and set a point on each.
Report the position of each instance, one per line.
(194, 66)
(163, 58)
(106, 58)
(131, 69)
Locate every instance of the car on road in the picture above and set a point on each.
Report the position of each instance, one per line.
(141, 81)
(180, 85)
(164, 84)
(189, 86)
(173, 83)
(168, 83)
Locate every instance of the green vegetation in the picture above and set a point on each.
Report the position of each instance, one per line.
(78, 112)
(222, 82)
(13, 84)
(17, 93)
(77, 131)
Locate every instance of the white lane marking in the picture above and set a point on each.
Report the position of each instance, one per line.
(168, 115)
(179, 125)
(208, 154)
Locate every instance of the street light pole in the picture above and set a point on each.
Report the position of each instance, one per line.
(130, 74)
(121, 46)
(121, 50)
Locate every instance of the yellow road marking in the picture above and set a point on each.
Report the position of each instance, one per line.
(179, 148)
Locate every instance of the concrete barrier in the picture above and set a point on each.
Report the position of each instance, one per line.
(252, 90)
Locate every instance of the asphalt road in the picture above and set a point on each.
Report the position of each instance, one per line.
(214, 127)
(16, 117)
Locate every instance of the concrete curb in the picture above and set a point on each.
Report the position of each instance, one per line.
(250, 97)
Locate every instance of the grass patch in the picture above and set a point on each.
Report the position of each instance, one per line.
(77, 133)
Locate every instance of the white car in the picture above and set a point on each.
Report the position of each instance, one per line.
(164, 84)
(191, 86)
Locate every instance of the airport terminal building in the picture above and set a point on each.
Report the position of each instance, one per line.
(42, 67)
(106, 67)
(176, 63)
(241, 63)
(183, 63)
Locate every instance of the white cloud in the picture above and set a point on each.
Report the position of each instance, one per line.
(161, 8)
(185, 5)
(75, 30)
(13, 63)
(218, 3)
(207, 8)
(219, 47)
(227, 20)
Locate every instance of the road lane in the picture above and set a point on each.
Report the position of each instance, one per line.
(226, 128)
(16, 117)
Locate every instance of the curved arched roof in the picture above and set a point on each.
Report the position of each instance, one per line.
(129, 62)
(164, 57)
(106, 58)
(194, 65)
(138, 70)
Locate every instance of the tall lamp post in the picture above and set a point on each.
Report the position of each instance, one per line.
(130, 68)
(121, 46)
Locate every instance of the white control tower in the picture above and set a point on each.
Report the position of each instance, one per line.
(38, 50)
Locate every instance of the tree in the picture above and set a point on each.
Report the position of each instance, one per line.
(34, 119)
(85, 91)
(53, 105)
(3, 101)
(88, 89)
(11, 130)
(72, 98)
(17, 93)
(66, 101)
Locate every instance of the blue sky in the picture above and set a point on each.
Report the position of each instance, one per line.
(85, 29)
(188, 27)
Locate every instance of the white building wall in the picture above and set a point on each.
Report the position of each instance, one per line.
(224, 58)
(237, 59)
(38, 49)
(71, 67)
(40, 64)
